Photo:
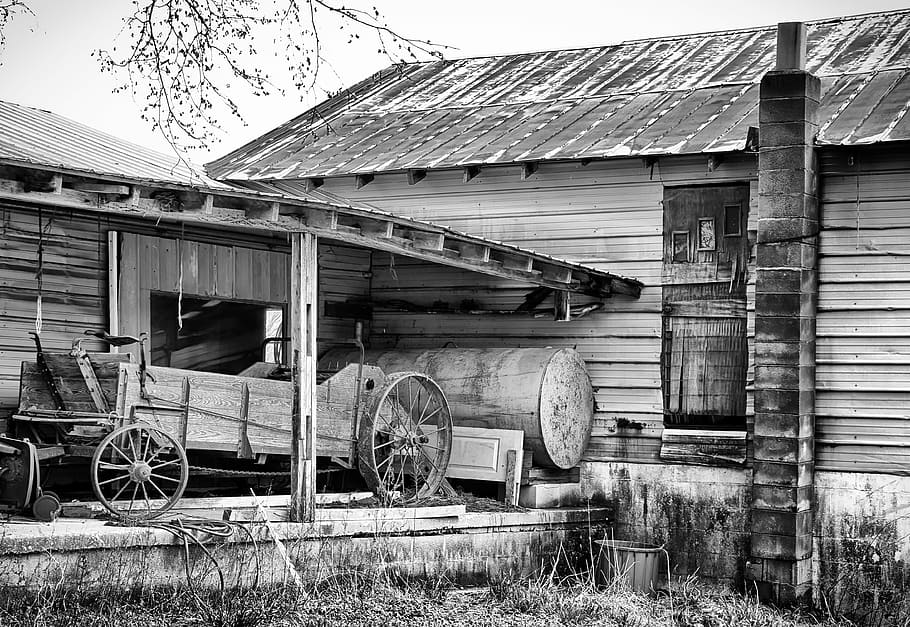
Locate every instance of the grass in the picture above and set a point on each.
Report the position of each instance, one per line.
(360, 600)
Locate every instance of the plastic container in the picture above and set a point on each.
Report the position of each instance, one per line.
(636, 564)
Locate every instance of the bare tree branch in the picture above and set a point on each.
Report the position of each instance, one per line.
(186, 60)
(8, 10)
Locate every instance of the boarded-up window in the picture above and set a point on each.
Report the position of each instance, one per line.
(705, 352)
(705, 361)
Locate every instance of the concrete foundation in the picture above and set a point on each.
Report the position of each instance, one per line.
(699, 513)
(468, 549)
(861, 561)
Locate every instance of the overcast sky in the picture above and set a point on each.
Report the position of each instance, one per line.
(46, 62)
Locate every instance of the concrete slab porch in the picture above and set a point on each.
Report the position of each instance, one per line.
(466, 548)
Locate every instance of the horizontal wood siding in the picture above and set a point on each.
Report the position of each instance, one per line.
(74, 291)
(606, 214)
(157, 264)
(863, 347)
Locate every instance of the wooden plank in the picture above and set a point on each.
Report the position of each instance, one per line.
(304, 305)
(215, 408)
(260, 275)
(91, 381)
(531, 474)
(513, 476)
(205, 264)
(130, 322)
(216, 506)
(189, 266)
(34, 393)
(113, 284)
(243, 273)
(224, 271)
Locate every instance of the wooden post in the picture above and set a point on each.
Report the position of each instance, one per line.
(303, 342)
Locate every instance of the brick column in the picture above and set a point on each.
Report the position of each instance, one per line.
(786, 295)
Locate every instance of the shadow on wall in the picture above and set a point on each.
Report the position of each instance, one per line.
(700, 514)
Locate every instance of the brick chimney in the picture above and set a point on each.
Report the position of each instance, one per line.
(786, 296)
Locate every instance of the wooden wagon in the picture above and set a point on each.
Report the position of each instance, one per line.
(143, 425)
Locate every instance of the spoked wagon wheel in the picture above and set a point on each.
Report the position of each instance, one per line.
(405, 439)
(139, 472)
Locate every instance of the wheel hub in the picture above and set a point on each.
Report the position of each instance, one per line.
(140, 472)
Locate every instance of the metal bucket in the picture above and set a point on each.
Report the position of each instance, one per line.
(634, 564)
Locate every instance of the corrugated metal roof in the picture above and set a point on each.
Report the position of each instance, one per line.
(672, 95)
(39, 137)
(33, 137)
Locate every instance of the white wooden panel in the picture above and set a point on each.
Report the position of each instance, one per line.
(482, 453)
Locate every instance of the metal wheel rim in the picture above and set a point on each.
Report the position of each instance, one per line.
(406, 439)
(124, 458)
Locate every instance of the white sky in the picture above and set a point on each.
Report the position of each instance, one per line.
(46, 62)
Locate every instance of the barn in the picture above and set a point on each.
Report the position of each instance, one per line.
(104, 236)
(751, 405)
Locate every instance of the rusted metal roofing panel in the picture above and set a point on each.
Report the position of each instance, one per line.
(38, 137)
(671, 95)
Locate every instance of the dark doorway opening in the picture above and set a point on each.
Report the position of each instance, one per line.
(212, 335)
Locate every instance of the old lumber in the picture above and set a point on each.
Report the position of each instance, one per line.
(245, 508)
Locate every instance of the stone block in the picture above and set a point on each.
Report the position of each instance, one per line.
(784, 449)
(781, 498)
(777, 377)
(786, 157)
(776, 353)
(777, 329)
(772, 417)
(784, 181)
(807, 375)
(787, 230)
(801, 254)
(783, 280)
(787, 134)
(781, 546)
(783, 204)
(782, 474)
(776, 304)
(789, 109)
(786, 571)
(807, 351)
(790, 84)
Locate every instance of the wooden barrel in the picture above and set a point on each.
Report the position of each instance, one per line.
(545, 392)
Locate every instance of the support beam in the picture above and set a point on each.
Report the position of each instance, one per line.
(112, 189)
(527, 169)
(561, 309)
(362, 179)
(303, 341)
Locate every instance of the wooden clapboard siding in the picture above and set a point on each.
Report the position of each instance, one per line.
(74, 287)
(158, 264)
(863, 325)
(606, 214)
